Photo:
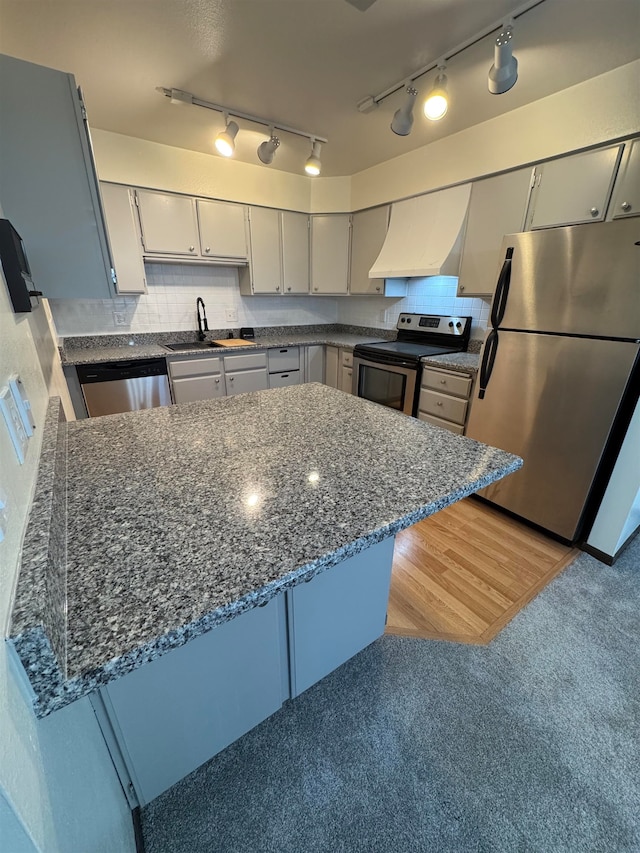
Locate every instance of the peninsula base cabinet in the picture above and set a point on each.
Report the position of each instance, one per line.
(169, 716)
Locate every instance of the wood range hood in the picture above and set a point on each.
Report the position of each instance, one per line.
(424, 236)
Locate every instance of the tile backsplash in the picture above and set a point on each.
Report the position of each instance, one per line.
(173, 289)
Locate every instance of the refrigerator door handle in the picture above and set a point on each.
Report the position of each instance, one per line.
(488, 360)
(502, 291)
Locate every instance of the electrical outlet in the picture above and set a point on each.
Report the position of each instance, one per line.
(14, 424)
(3, 514)
(22, 403)
(231, 315)
(119, 318)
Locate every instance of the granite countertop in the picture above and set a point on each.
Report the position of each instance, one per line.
(461, 362)
(99, 353)
(182, 517)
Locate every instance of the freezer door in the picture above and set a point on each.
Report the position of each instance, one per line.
(580, 280)
(551, 400)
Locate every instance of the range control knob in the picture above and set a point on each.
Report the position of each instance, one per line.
(450, 324)
(458, 325)
(408, 319)
(403, 319)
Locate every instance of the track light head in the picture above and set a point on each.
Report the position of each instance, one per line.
(403, 118)
(268, 148)
(313, 165)
(225, 140)
(437, 103)
(504, 71)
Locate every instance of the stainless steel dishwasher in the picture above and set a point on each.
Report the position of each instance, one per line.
(124, 386)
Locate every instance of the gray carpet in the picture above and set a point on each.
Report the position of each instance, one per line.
(529, 744)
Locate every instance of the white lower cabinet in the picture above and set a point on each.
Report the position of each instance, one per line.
(312, 363)
(196, 379)
(169, 716)
(339, 368)
(331, 366)
(284, 366)
(246, 372)
(444, 398)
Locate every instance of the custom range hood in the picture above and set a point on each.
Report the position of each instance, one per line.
(424, 235)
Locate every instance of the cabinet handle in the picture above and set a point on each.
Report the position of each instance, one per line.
(192, 248)
(625, 206)
(207, 249)
(284, 375)
(284, 350)
(594, 211)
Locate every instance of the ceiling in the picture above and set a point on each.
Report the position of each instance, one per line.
(307, 64)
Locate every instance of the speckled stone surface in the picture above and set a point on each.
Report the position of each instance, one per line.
(97, 348)
(182, 517)
(461, 362)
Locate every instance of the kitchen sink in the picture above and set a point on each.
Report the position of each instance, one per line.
(193, 345)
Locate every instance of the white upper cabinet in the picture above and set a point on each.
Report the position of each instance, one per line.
(122, 225)
(222, 229)
(574, 189)
(169, 224)
(48, 182)
(330, 247)
(497, 207)
(265, 268)
(295, 252)
(369, 228)
(626, 194)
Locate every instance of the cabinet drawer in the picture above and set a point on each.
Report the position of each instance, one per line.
(450, 383)
(192, 388)
(245, 361)
(194, 367)
(443, 406)
(284, 360)
(281, 380)
(347, 357)
(430, 419)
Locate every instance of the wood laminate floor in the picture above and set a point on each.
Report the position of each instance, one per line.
(463, 573)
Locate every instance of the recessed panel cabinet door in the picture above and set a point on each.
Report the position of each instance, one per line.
(574, 189)
(266, 261)
(169, 224)
(295, 252)
(222, 229)
(330, 245)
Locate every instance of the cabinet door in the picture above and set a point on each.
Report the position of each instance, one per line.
(266, 261)
(247, 380)
(368, 230)
(346, 379)
(222, 229)
(193, 388)
(119, 209)
(574, 189)
(295, 252)
(168, 222)
(48, 183)
(626, 195)
(497, 207)
(331, 366)
(314, 364)
(330, 242)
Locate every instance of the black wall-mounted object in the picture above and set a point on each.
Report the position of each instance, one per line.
(16, 268)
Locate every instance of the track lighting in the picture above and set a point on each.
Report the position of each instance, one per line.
(403, 118)
(313, 164)
(268, 148)
(225, 140)
(504, 71)
(437, 102)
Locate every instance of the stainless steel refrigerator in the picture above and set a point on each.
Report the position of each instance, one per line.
(560, 369)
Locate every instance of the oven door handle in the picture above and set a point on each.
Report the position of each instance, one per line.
(370, 362)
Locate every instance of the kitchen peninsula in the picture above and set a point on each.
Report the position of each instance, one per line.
(202, 523)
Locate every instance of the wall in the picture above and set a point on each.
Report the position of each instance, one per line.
(601, 109)
(170, 305)
(58, 789)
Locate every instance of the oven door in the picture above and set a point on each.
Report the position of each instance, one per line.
(392, 385)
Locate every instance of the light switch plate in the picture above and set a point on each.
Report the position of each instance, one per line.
(22, 403)
(14, 424)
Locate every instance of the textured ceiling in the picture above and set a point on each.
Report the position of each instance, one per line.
(307, 63)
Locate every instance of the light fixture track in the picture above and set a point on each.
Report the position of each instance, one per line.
(187, 98)
(372, 101)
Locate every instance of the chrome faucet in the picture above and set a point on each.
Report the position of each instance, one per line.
(202, 319)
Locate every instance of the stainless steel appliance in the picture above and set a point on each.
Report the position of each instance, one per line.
(124, 386)
(560, 369)
(388, 372)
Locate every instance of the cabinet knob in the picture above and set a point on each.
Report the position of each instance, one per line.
(217, 381)
(378, 288)
(277, 287)
(207, 249)
(461, 288)
(231, 378)
(288, 288)
(192, 248)
(439, 403)
(625, 206)
(594, 211)
(443, 381)
(315, 288)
